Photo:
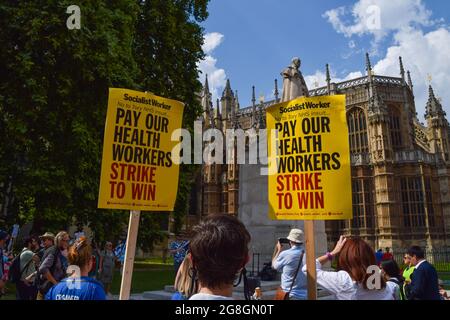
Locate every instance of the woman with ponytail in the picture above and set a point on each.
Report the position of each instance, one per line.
(185, 285)
(78, 286)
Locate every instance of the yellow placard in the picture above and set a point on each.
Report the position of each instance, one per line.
(137, 168)
(309, 159)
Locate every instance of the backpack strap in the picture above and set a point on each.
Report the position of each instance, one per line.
(26, 265)
(296, 272)
(400, 287)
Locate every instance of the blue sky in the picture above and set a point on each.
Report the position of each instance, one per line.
(250, 42)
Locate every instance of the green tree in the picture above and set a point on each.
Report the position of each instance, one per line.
(170, 29)
(53, 98)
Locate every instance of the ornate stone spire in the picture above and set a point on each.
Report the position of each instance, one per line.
(410, 84)
(368, 64)
(235, 122)
(253, 96)
(227, 92)
(217, 109)
(376, 103)
(276, 90)
(327, 71)
(369, 67)
(402, 70)
(433, 107)
(206, 86)
(254, 116)
(218, 116)
(227, 102)
(207, 103)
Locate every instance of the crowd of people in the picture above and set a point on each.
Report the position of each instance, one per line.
(213, 261)
(218, 252)
(56, 267)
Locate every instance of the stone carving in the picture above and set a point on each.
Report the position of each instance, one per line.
(294, 84)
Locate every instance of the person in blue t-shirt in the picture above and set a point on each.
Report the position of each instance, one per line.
(78, 286)
(178, 248)
(119, 252)
(379, 256)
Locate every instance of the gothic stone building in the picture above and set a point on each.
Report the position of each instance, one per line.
(400, 168)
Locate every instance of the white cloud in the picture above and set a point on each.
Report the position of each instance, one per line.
(208, 66)
(319, 78)
(378, 17)
(211, 41)
(316, 80)
(423, 54)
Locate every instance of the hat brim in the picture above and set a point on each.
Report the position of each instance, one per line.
(47, 237)
(294, 240)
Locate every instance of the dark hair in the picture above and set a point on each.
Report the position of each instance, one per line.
(27, 241)
(3, 235)
(391, 268)
(219, 249)
(355, 257)
(416, 251)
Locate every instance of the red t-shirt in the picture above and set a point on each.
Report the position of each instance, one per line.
(387, 256)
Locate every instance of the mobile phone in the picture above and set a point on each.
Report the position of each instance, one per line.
(283, 240)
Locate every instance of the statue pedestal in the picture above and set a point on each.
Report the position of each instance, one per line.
(253, 212)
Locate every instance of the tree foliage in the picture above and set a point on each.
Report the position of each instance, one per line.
(53, 99)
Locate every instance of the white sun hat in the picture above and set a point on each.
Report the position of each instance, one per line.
(296, 235)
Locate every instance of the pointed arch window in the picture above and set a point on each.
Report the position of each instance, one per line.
(363, 203)
(357, 128)
(413, 202)
(394, 126)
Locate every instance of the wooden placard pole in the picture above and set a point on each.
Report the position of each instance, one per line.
(310, 260)
(130, 251)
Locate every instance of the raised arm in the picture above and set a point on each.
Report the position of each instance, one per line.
(276, 253)
(332, 281)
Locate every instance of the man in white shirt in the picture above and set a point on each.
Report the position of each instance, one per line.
(219, 252)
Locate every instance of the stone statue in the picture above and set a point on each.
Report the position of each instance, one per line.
(294, 85)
